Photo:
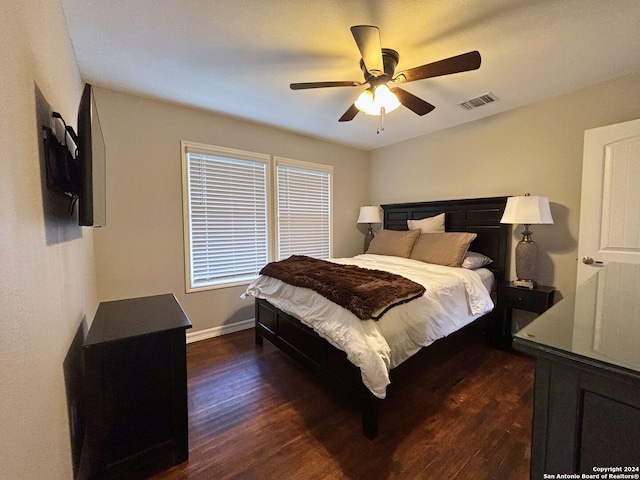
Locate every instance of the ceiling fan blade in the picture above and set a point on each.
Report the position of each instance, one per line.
(351, 112)
(304, 86)
(459, 63)
(413, 103)
(367, 38)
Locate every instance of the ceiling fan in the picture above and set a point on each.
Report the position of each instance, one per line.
(378, 66)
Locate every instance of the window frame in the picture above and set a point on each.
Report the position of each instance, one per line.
(301, 165)
(272, 162)
(234, 154)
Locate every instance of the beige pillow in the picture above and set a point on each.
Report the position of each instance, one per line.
(428, 225)
(394, 242)
(446, 249)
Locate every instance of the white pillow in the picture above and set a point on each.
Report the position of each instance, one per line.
(428, 225)
(473, 260)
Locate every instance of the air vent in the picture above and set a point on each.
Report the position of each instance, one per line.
(479, 101)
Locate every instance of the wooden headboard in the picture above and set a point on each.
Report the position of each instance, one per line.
(476, 215)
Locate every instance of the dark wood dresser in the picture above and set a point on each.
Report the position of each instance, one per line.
(587, 383)
(136, 388)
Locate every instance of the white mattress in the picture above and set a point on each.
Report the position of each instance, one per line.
(454, 297)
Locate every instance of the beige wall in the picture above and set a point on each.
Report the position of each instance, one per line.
(47, 278)
(47, 274)
(140, 251)
(536, 149)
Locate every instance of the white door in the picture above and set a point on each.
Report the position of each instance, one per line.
(610, 203)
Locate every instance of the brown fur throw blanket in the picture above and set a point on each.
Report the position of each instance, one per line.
(367, 293)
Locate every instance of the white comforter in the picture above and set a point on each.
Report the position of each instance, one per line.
(454, 297)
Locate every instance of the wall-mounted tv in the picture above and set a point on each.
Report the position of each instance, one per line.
(76, 163)
(92, 155)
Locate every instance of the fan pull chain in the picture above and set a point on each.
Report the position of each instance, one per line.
(381, 127)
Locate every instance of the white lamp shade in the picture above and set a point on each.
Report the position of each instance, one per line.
(527, 210)
(365, 103)
(369, 214)
(372, 101)
(385, 98)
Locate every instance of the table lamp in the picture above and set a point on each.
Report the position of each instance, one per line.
(527, 210)
(369, 214)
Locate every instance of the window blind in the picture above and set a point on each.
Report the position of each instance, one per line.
(303, 212)
(228, 221)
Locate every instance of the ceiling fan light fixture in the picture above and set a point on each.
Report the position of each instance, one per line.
(378, 66)
(365, 103)
(372, 101)
(386, 98)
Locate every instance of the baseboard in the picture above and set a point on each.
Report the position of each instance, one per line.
(217, 331)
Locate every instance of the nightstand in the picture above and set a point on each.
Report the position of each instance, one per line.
(135, 366)
(537, 300)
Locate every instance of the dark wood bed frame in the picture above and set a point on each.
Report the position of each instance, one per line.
(304, 345)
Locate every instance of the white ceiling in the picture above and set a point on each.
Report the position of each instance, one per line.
(238, 57)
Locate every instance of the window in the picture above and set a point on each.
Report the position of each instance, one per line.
(229, 206)
(303, 206)
(226, 215)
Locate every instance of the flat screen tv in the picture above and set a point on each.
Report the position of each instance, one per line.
(91, 188)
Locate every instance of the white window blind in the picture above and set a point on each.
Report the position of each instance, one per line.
(303, 209)
(227, 215)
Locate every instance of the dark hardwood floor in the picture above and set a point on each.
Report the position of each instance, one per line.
(457, 414)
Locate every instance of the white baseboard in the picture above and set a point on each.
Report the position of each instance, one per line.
(217, 331)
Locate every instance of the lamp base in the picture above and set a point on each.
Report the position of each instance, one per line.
(526, 260)
(530, 284)
(367, 238)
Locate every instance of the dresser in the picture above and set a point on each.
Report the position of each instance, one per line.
(587, 379)
(136, 388)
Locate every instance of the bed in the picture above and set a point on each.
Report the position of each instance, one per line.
(303, 344)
